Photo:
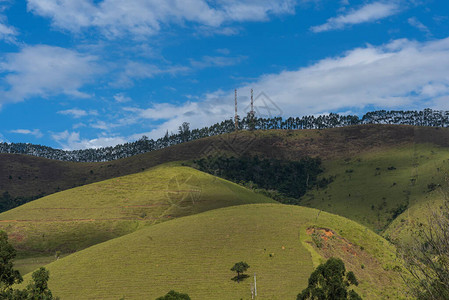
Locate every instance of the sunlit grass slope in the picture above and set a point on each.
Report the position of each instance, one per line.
(75, 219)
(375, 187)
(194, 255)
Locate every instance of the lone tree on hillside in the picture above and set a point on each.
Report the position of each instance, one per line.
(427, 256)
(240, 267)
(330, 282)
(172, 295)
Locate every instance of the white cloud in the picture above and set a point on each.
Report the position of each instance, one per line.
(420, 26)
(44, 71)
(121, 98)
(77, 113)
(116, 18)
(72, 140)
(35, 132)
(138, 70)
(402, 74)
(216, 61)
(7, 33)
(368, 13)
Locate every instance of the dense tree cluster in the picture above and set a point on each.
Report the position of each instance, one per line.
(8, 202)
(290, 178)
(426, 117)
(330, 282)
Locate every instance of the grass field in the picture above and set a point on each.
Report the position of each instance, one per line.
(194, 255)
(78, 218)
(375, 187)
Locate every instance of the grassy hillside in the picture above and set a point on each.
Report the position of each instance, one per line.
(28, 176)
(194, 255)
(78, 218)
(375, 187)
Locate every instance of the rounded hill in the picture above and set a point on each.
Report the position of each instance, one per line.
(281, 244)
(78, 218)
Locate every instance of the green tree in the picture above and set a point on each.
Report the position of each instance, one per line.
(172, 295)
(38, 288)
(330, 282)
(240, 267)
(8, 276)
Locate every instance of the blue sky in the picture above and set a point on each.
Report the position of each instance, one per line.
(92, 73)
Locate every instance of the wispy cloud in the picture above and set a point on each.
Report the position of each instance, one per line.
(368, 13)
(121, 98)
(7, 33)
(139, 70)
(45, 71)
(117, 18)
(216, 61)
(35, 132)
(77, 113)
(420, 26)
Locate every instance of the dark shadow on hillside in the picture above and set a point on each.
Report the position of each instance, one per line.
(240, 278)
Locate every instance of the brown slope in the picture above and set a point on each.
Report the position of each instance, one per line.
(23, 175)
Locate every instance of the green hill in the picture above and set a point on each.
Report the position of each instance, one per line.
(194, 255)
(78, 218)
(376, 187)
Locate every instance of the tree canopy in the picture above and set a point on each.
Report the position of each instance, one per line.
(240, 268)
(330, 281)
(8, 276)
(426, 117)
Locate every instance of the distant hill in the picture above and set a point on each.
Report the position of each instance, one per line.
(29, 176)
(77, 218)
(194, 255)
(426, 117)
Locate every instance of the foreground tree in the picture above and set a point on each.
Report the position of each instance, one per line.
(36, 290)
(8, 276)
(172, 295)
(240, 268)
(427, 256)
(330, 282)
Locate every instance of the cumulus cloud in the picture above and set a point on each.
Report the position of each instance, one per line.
(368, 13)
(35, 132)
(116, 18)
(402, 74)
(45, 71)
(72, 140)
